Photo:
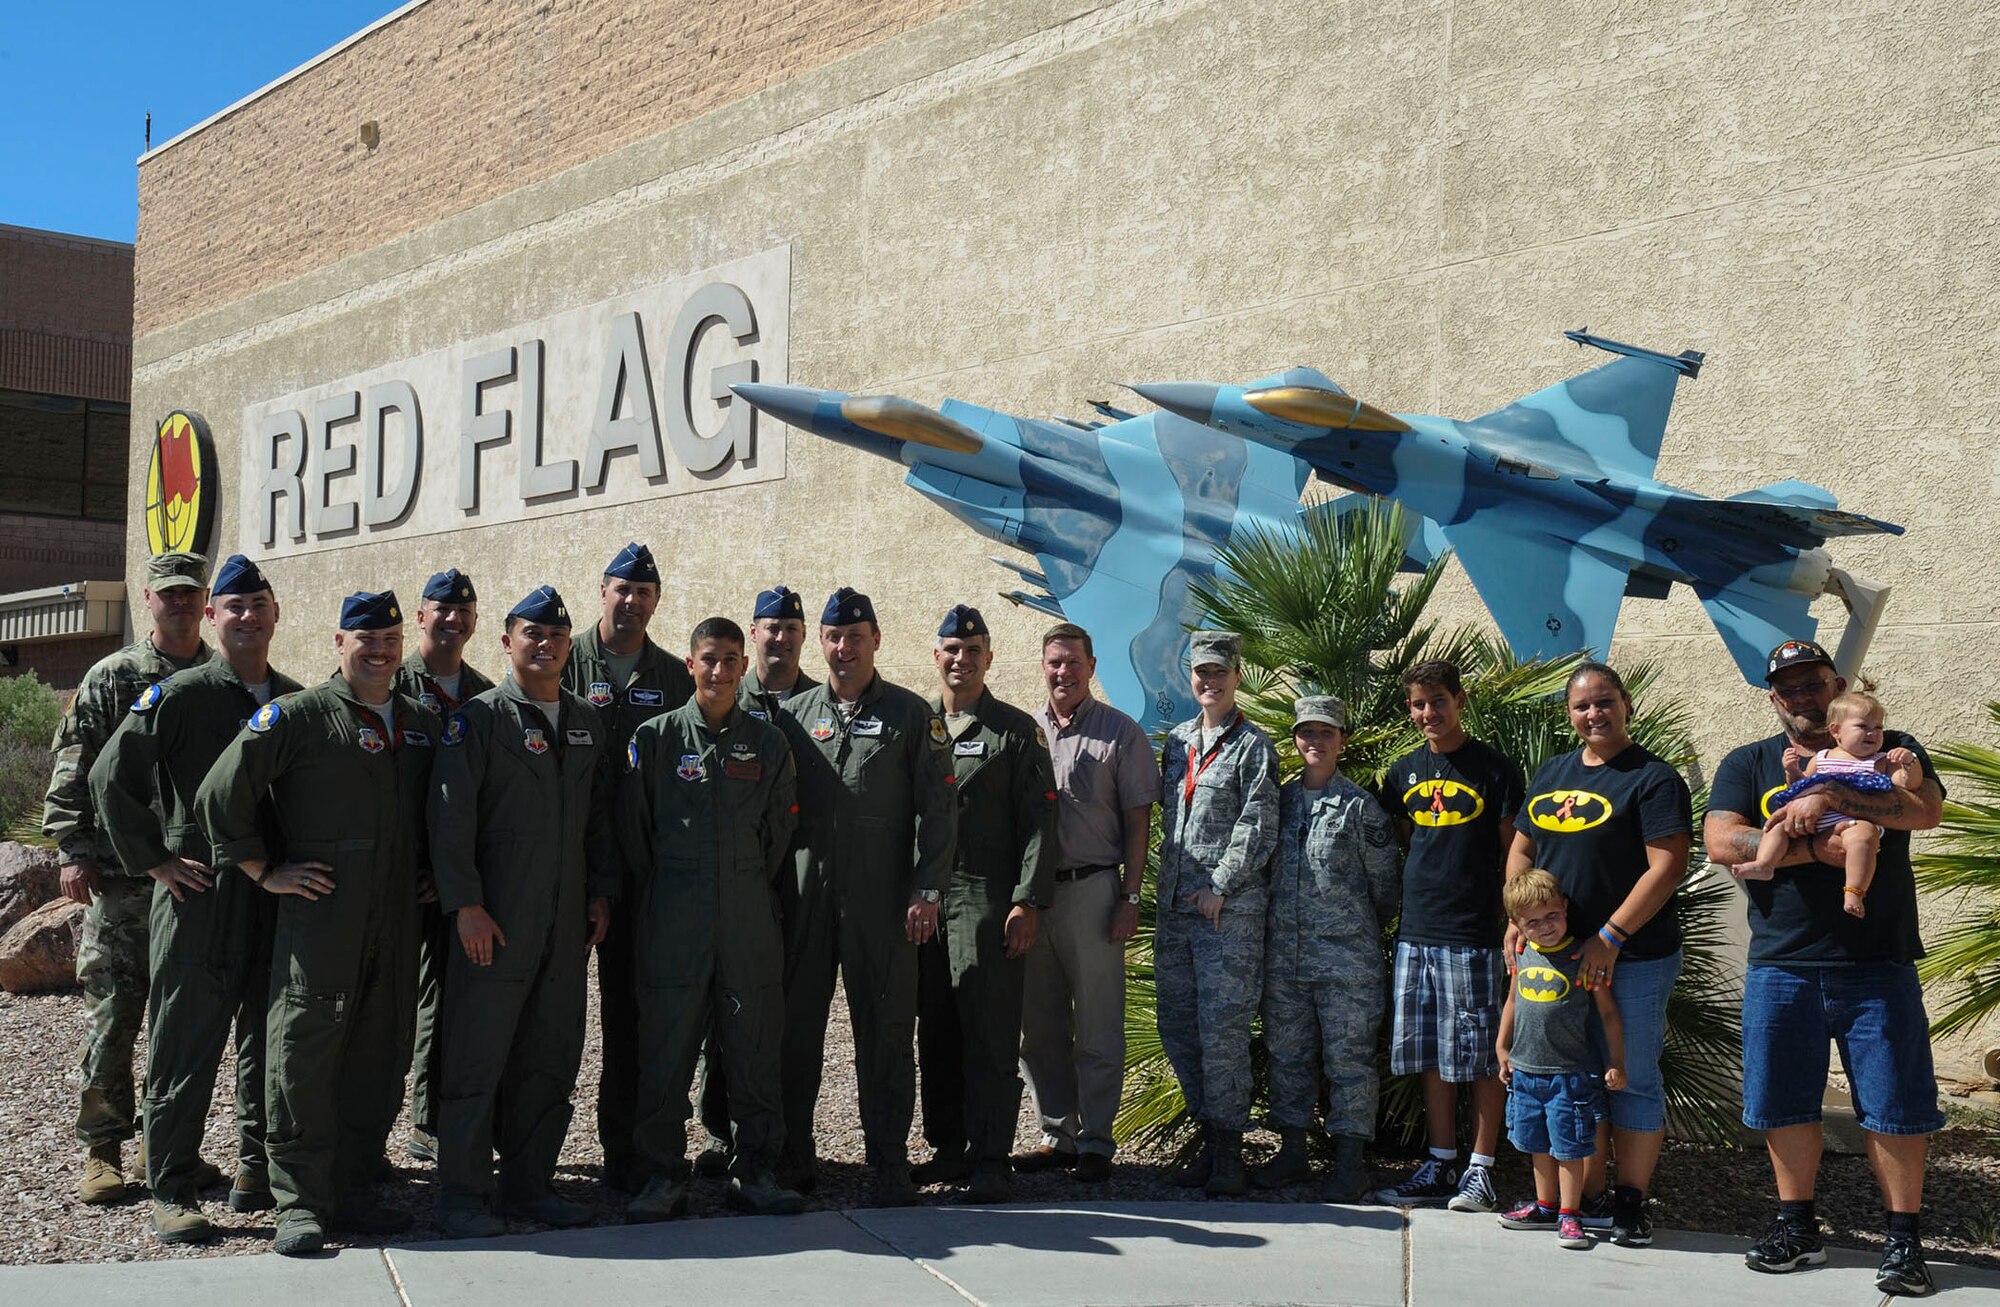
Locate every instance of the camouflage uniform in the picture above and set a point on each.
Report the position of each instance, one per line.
(111, 960)
(1335, 884)
(1218, 826)
(211, 950)
(437, 938)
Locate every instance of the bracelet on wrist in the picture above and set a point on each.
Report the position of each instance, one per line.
(1611, 939)
(1855, 890)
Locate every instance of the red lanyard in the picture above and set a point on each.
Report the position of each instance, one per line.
(1196, 764)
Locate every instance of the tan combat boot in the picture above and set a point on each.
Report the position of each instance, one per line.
(103, 1174)
(180, 1223)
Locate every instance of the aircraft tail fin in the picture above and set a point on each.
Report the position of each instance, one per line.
(1608, 421)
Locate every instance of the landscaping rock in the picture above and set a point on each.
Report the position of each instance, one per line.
(28, 878)
(39, 953)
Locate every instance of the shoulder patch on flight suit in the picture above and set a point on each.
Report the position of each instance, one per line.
(534, 741)
(454, 730)
(938, 736)
(600, 693)
(690, 768)
(149, 696)
(370, 740)
(1040, 737)
(430, 701)
(632, 755)
(822, 729)
(265, 718)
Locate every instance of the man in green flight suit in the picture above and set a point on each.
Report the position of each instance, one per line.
(970, 977)
(211, 939)
(118, 900)
(522, 855)
(438, 676)
(876, 809)
(777, 635)
(705, 820)
(628, 679)
(346, 768)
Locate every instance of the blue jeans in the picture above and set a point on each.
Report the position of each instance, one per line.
(1641, 989)
(1874, 1012)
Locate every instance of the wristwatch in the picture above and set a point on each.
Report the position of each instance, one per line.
(930, 895)
(1131, 896)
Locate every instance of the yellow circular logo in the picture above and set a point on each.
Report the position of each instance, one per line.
(1770, 794)
(181, 486)
(1442, 802)
(1566, 811)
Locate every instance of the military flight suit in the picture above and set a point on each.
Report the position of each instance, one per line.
(705, 820)
(1336, 882)
(436, 938)
(111, 959)
(969, 990)
(348, 793)
(659, 683)
(518, 825)
(876, 814)
(711, 1085)
(211, 950)
(1218, 828)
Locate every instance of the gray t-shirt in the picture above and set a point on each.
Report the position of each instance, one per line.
(387, 712)
(261, 692)
(622, 666)
(1104, 764)
(1552, 1014)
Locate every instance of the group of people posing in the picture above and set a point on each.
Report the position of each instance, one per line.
(409, 864)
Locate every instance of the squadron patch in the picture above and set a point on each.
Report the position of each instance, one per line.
(454, 730)
(534, 741)
(370, 740)
(938, 736)
(265, 718)
(430, 701)
(632, 755)
(149, 696)
(1041, 738)
(600, 693)
(690, 768)
(822, 729)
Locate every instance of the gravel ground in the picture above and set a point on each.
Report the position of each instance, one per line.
(1716, 1189)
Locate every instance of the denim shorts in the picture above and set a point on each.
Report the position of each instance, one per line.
(1874, 1011)
(1555, 1115)
(1641, 990)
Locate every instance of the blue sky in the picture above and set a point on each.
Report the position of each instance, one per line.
(81, 76)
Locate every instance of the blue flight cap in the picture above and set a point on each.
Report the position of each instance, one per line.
(846, 606)
(450, 586)
(237, 576)
(962, 622)
(780, 601)
(544, 606)
(362, 611)
(634, 563)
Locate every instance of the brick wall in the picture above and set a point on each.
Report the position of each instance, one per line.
(62, 663)
(44, 551)
(474, 98)
(65, 314)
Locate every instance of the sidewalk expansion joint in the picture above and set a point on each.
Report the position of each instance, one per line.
(1409, 1261)
(913, 1259)
(395, 1280)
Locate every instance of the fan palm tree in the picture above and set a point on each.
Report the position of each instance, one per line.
(1964, 859)
(1327, 609)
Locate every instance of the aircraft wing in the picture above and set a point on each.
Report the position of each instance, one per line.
(1754, 619)
(1550, 596)
(1792, 513)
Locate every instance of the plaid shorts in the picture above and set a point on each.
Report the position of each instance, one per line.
(1447, 1010)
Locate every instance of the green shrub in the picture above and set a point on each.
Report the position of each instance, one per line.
(28, 713)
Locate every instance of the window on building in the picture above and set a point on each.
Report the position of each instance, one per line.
(63, 457)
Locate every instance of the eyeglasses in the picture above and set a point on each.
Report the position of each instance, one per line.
(1807, 690)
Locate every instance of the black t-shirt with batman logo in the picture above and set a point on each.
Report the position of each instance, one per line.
(1455, 803)
(1590, 826)
(1797, 918)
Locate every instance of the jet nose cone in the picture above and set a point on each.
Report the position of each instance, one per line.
(792, 404)
(1193, 400)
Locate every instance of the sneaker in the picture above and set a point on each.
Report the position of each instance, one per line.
(1902, 1270)
(1786, 1246)
(1475, 1191)
(1630, 1226)
(1570, 1232)
(1434, 1182)
(1529, 1215)
(423, 1145)
(1091, 1168)
(1596, 1214)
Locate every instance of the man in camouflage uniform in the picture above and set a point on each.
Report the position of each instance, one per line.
(438, 677)
(1335, 886)
(211, 939)
(346, 767)
(1217, 831)
(628, 679)
(970, 977)
(877, 814)
(111, 959)
(705, 819)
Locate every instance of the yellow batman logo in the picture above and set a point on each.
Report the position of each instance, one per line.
(1541, 985)
(1566, 811)
(1765, 802)
(1442, 803)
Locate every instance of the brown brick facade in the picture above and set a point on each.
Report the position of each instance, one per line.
(65, 314)
(474, 99)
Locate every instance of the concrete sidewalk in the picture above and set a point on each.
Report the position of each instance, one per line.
(1139, 1254)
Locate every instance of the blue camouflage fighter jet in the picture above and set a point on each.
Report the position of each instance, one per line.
(1549, 503)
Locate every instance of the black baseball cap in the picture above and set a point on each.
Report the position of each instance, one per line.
(1794, 653)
